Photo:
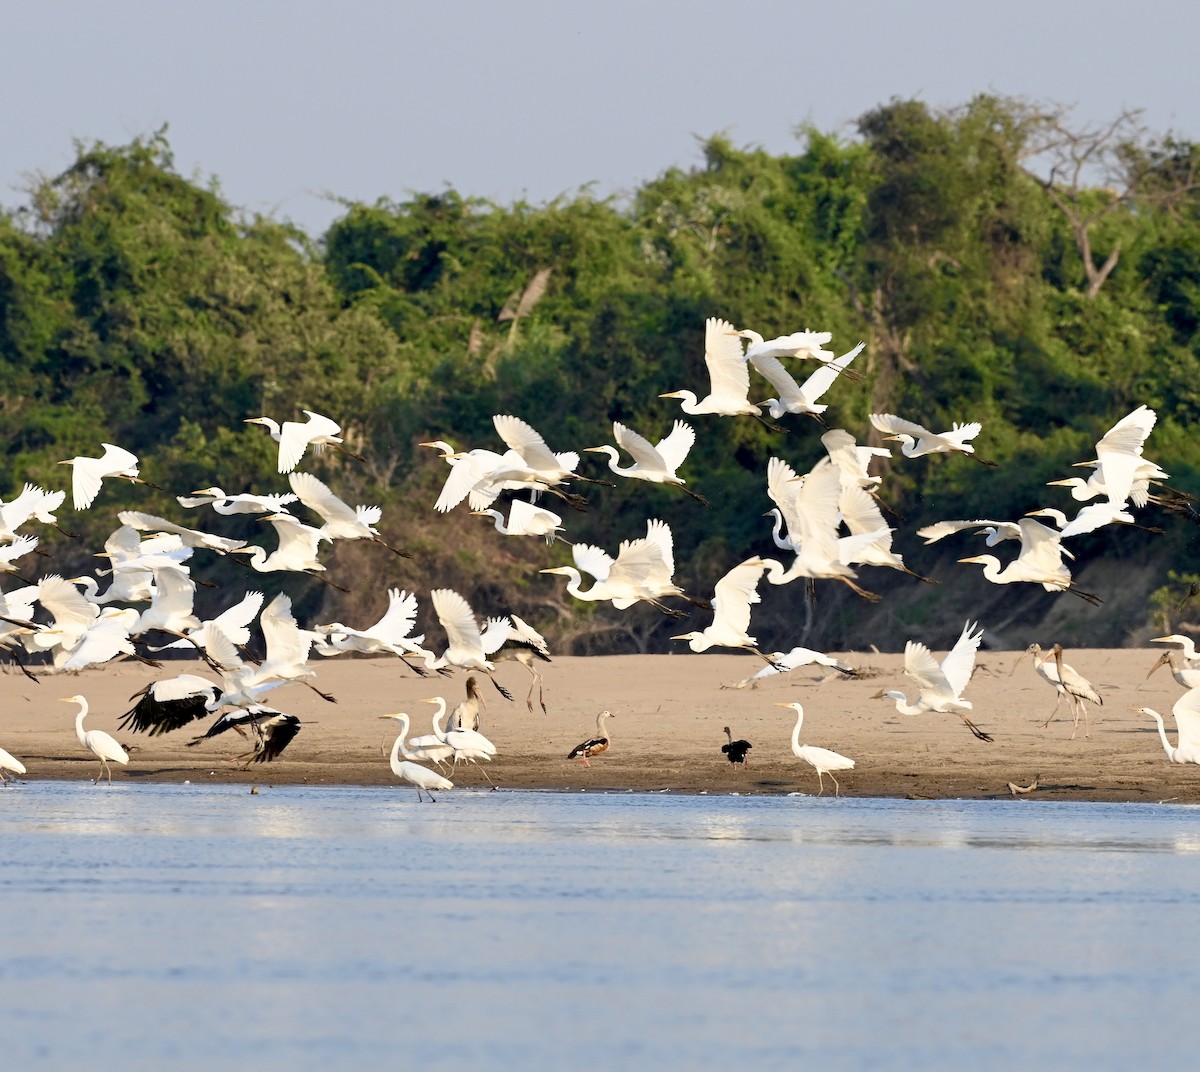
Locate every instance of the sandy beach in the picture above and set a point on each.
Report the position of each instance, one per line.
(667, 733)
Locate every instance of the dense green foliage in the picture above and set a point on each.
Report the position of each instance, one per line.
(138, 307)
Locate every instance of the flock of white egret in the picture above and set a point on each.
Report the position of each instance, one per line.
(827, 521)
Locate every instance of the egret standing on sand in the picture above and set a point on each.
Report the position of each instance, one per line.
(1187, 720)
(822, 760)
(99, 743)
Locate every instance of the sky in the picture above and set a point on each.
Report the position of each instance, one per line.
(294, 105)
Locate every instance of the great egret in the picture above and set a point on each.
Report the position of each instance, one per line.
(525, 519)
(1067, 681)
(733, 596)
(593, 746)
(800, 398)
(1040, 562)
(734, 751)
(809, 505)
(413, 773)
(244, 683)
(656, 463)
(389, 634)
(342, 521)
(729, 375)
(432, 746)
(538, 466)
(297, 550)
(99, 743)
(295, 437)
(916, 441)
(171, 610)
(9, 763)
(466, 744)
(195, 538)
(1187, 722)
(784, 662)
(803, 345)
(233, 623)
(87, 474)
(862, 516)
(641, 572)
(244, 503)
(32, 502)
(941, 685)
(18, 548)
(822, 760)
(1186, 644)
(465, 647)
(852, 460)
(995, 531)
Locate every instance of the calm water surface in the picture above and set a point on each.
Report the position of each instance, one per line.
(154, 926)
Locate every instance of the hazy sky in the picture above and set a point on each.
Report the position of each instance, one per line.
(286, 101)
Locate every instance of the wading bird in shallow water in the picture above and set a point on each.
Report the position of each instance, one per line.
(593, 746)
(941, 685)
(822, 760)
(735, 751)
(1187, 720)
(11, 764)
(1067, 681)
(413, 773)
(99, 743)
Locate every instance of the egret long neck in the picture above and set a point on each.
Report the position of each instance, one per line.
(1162, 733)
(796, 729)
(79, 733)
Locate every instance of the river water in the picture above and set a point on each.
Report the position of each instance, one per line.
(156, 926)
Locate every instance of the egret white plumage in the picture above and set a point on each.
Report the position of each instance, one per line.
(941, 685)
(295, 437)
(784, 662)
(103, 746)
(32, 502)
(88, 474)
(19, 547)
(802, 345)
(851, 459)
(10, 763)
(466, 744)
(1187, 723)
(465, 646)
(641, 572)
(822, 760)
(243, 503)
(196, 538)
(422, 778)
(297, 550)
(916, 440)
(593, 746)
(656, 463)
(342, 521)
(801, 398)
(525, 519)
(1186, 645)
(1039, 562)
(733, 596)
(389, 634)
(729, 376)
(809, 505)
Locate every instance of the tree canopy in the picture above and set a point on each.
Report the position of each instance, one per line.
(989, 281)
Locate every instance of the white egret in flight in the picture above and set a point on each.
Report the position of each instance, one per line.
(295, 437)
(656, 463)
(916, 441)
(941, 685)
(87, 474)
